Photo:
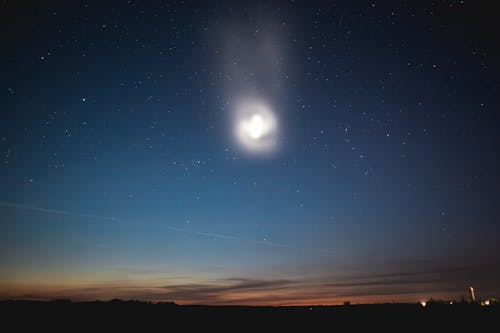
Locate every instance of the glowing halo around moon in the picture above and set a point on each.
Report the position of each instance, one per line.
(255, 126)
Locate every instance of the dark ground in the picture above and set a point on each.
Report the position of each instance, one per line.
(133, 315)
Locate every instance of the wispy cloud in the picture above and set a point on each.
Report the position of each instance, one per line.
(389, 285)
(221, 291)
(227, 285)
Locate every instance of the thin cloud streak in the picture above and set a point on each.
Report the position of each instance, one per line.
(211, 235)
(108, 218)
(56, 211)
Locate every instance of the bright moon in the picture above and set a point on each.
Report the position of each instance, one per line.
(255, 126)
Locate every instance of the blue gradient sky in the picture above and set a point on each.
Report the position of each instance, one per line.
(120, 175)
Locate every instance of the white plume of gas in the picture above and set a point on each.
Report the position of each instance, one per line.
(250, 54)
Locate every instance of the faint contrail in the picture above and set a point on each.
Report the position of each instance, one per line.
(55, 211)
(163, 227)
(211, 234)
(109, 218)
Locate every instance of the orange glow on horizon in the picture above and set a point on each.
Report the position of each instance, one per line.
(307, 296)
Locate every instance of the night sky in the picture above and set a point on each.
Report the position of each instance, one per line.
(260, 152)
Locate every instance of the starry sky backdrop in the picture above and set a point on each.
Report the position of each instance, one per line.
(120, 175)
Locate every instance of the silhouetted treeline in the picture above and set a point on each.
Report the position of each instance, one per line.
(118, 314)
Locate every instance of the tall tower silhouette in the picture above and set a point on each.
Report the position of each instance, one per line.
(472, 295)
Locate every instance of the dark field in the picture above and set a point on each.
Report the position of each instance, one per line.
(70, 316)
